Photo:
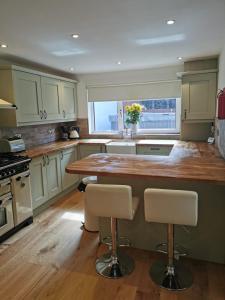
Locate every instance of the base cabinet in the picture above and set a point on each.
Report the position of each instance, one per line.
(86, 150)
(68, 156)
(39, 187)
(48, 175)
(53, 174)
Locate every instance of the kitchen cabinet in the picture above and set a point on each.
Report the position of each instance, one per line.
(86, 150)
(199, 97)
(48, 175)
(39, 186)
(28, 96)
(69, 100)
(53, 174)
(68, 156)
(154, 150)
(40, 98)
(51, 97)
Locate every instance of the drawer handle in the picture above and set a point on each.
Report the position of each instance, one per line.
(45, 114)
(41, 114)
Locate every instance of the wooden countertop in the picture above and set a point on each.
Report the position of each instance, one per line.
(187, 161)
(60, 145)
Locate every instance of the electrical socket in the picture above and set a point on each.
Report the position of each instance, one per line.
(51, 131)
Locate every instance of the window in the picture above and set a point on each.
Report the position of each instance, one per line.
(158, 116)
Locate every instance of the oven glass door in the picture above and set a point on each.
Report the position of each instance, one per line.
(5, 186)
(6, 213)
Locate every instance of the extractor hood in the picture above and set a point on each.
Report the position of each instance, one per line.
(6, 105)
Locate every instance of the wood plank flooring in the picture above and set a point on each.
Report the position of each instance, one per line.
(54, 259)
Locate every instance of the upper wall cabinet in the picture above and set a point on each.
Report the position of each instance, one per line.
(39, 97)
(199, 97)
(69, 100)
(51, 97)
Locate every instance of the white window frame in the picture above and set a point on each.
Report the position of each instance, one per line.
(91, 121)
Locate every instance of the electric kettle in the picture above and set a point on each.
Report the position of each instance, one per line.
(74, 133)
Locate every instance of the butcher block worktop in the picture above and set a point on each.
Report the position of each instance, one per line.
(187, 161)
(61, 145)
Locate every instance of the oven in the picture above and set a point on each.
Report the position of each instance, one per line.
(22, 204)
(6, 213)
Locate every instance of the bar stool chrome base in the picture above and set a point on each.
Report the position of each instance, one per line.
(175, 278)
(114, 267)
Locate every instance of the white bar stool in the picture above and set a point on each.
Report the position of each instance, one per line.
(171, 207)
(115, 202)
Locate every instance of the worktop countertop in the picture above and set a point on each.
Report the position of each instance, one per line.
(187, 161)
(61, 145)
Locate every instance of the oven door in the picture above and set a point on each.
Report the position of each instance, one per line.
(6, 213)
(22, 202)
(5, 186)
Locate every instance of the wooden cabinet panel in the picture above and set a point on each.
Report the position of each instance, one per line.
(51, 96)
(53, 174)
(86, 150)
(199, 96)
(68, 100)
(28, 96)
(67, 157)
(154, 150)
(39, 189)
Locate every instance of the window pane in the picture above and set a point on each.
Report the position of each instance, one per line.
(106, 116)
(157, 113)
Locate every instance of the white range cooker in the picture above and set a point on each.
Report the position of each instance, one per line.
(15, 189)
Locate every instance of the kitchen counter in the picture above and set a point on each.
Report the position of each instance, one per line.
(187, 161)
(190, 166)
(60, 145)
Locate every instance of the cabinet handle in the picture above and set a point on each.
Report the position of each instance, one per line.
(154, 148)
(41, 114)
(44, 161)
(64, 114)
(62, 155)
(185, 114)
(45, 114)
(48, 160)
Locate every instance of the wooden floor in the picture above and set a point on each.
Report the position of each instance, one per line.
(54, 259)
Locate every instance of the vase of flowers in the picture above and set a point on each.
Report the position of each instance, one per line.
(133, 115)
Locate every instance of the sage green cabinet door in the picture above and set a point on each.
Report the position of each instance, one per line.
(51, 96)
(53, 174)
(28, 96)
(199, 97)
(86, 150)
(67, 157)
(68, 100)
(39, 189)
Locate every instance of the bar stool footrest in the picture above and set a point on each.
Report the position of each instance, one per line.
(122, 241)
(178, 250)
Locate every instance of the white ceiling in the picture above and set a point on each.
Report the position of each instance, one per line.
(131, 31)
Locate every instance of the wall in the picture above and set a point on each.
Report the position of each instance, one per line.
(121, 77)
(36, 134)
(220, 124)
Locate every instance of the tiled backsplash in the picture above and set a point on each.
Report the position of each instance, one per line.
(221, 137)
(36, 134)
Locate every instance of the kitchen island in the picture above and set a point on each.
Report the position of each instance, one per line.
(190, 166)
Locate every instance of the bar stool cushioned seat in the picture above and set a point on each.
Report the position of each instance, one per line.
(115, 202)
(171, 207)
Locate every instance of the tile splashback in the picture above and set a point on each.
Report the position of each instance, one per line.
(36, 134)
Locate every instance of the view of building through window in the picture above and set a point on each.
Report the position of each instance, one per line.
(157, 114)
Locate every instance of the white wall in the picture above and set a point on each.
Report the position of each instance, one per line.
(221, 78)
(136, 76)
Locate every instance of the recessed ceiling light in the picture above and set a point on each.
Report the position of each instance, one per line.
(170, 22)
(71, 69)
(119, 63)
(180, 58)
(75, 35)
(4, 46)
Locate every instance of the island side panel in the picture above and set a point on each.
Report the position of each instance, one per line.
(205, 242)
